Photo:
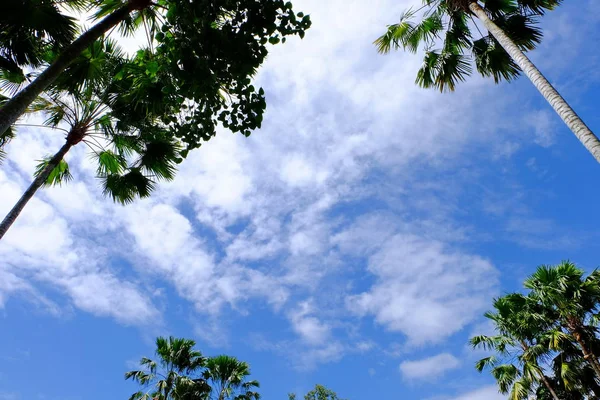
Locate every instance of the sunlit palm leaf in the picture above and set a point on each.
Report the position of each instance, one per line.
(59, 175)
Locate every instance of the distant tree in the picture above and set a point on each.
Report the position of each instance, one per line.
(515, 364)
(547, 341)
(511, 31)
(319, 392)
(575, 299)
(228, 379)
(171, 375)
(182, 373)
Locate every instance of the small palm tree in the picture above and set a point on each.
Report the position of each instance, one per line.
(130, 160)
(511, 31)
(169, 376)
(575, 301)
(227, 376)
(518, 321)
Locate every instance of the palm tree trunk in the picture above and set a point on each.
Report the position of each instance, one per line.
(543, 378)
(562, 108)
(35, 185)
(587, 355)
(548, 386)
(16, 106)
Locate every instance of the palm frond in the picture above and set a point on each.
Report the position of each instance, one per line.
(124, 188)
(59, 174)
(491, 60)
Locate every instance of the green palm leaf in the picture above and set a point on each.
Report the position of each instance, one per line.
(59, 175)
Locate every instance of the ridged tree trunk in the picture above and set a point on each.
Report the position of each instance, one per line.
(12, 215)
(16, 106)
(562, 108)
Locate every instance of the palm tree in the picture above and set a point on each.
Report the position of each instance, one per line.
(113, 13)
(499, 54)
(171, 374)
(518, 321)
(574, 299)
(29, 30)
(227, 377)
(129, 159)
(573, 377)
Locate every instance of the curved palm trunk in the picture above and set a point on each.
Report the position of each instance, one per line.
(542, 376)
(562, 108)
(35, 185)
(16, 106)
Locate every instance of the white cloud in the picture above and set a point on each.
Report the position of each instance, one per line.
(105, 295)
(484, 393)
(430, 368)
(425, 289)
(309, 327)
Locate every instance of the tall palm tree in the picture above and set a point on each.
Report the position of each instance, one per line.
(511, 27)
(574, 299)
(29, 30)
(129, 159)
(169, 376)
(114, 13)
(518, 322)
(227, 377)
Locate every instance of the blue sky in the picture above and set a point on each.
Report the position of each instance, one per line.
(354, 241)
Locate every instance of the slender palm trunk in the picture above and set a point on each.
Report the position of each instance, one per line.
(16, 106)
(562, 108)
(542, 376)
(35, 185)
(548, 386)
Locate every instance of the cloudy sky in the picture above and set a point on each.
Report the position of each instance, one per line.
(354, 241)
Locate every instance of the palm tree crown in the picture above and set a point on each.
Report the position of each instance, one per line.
(451, 47)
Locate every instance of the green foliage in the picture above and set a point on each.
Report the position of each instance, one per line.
(60, 173)
(319, 392)
(445, 34)
(167, 377)
(28, 28)
(182, 373)
(227, 376)
(543, 336)
(199, 73)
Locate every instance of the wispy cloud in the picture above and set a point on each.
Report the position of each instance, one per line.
(428, 369)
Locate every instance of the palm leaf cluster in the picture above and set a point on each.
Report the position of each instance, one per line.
(454, 44)
(546, 342)
(183, 373)
(129, 159)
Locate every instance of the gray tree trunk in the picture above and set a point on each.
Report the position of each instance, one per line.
(16, 106)
(562, 108)
(12, 215)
